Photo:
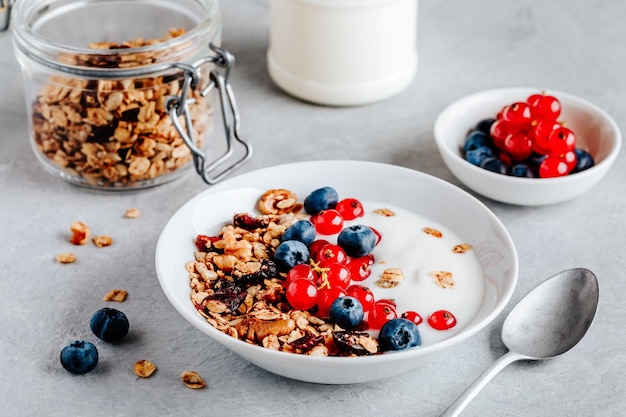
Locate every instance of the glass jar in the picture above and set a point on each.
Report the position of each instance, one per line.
(120, 93)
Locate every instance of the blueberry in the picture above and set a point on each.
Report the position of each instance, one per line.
(584, 160)
(302, 230)
(321, 199)
(79, 357)
(357, 240)
(478, 155)
(494, 165)
(475, 140)
(535, 159)
(290, 253)
(346, 312)
(485, 125)
(522, 170)
(398, 334)
(109, 324)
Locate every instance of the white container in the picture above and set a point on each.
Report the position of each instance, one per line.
(342, 52)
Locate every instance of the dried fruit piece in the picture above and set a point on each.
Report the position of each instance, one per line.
(192, 380)
(116, 294)
(66, 258)
(102, 241)
(355, 343)
(144, 368)
(80, 233)
(462, 248)
(433, 232)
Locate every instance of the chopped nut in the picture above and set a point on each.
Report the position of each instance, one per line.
(144, 368)
(278, 201)
(132, 213)
(443, 278)
(433, 232)
(80, 233)
(462, 248)
(102, 241)
(192, 380)
(385, 212)
(66, 258)
(116, 294)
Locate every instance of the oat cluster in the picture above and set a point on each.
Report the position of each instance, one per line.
(115, 132)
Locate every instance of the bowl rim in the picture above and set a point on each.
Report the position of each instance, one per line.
(604, 164)
(470, 330)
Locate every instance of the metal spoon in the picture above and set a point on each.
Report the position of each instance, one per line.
(546, 323)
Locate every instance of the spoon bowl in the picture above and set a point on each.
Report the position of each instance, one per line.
(547, 322)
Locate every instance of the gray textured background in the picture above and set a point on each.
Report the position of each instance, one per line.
(464, 47)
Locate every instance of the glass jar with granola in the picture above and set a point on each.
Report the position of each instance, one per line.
(120, 93)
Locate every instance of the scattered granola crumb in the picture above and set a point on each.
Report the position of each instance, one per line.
(391, 277)
(132, 213)
(433, 232)
(102, 241)
(117, 295)
(192, 380)
(144, 368)
(66, 258)
(443, 278)
(462, 248)
(80, 233)
(385, 212)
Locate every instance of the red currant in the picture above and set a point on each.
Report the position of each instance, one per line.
(360, 267)
(350, 208)
(300, 271)
(316, 246)
(388, 302)
(544, 107)
(380, 314)
(442, 320)
(413, 316)
(540, 134)
(363, 294)
(325, 298)
(378, 235)
(499, 130)
(553, 166)
(331, 253)
(301, 294)
(337, 275)
(328, 222)
(561, 140)
(518, 145)
(518, 114)
(570, 159)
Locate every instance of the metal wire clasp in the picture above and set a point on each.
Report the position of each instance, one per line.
(179, 106)
(5, 14)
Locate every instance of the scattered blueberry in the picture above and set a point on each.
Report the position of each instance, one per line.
(495, 165)
(346, 312)
(291, 253)
(79, 357)
(584, 160)
(485, 125)
(522, 170)
(109, 324)
(302, 230)
(475, 140)
(398, 334)
(535, 159)
(321, 199)
(357, 240)
(478, 155)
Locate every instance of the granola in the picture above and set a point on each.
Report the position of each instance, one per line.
(115, 133)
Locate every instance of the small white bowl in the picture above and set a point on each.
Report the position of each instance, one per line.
(595, 131)
(422, 194)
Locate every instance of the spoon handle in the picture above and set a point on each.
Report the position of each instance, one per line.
(468, 395)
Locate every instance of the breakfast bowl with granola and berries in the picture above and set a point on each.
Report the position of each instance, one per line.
(527, 146)
(334, 278)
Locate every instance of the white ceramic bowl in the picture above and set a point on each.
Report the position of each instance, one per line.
(595, 131)
(425, 195)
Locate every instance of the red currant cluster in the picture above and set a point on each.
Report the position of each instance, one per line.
(527, 140)
(331, 274)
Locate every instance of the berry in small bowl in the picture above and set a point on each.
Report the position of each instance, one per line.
(527, 146)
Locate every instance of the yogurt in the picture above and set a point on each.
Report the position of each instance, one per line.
(405, 245)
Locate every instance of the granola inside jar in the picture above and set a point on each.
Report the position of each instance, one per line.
(98, 76)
